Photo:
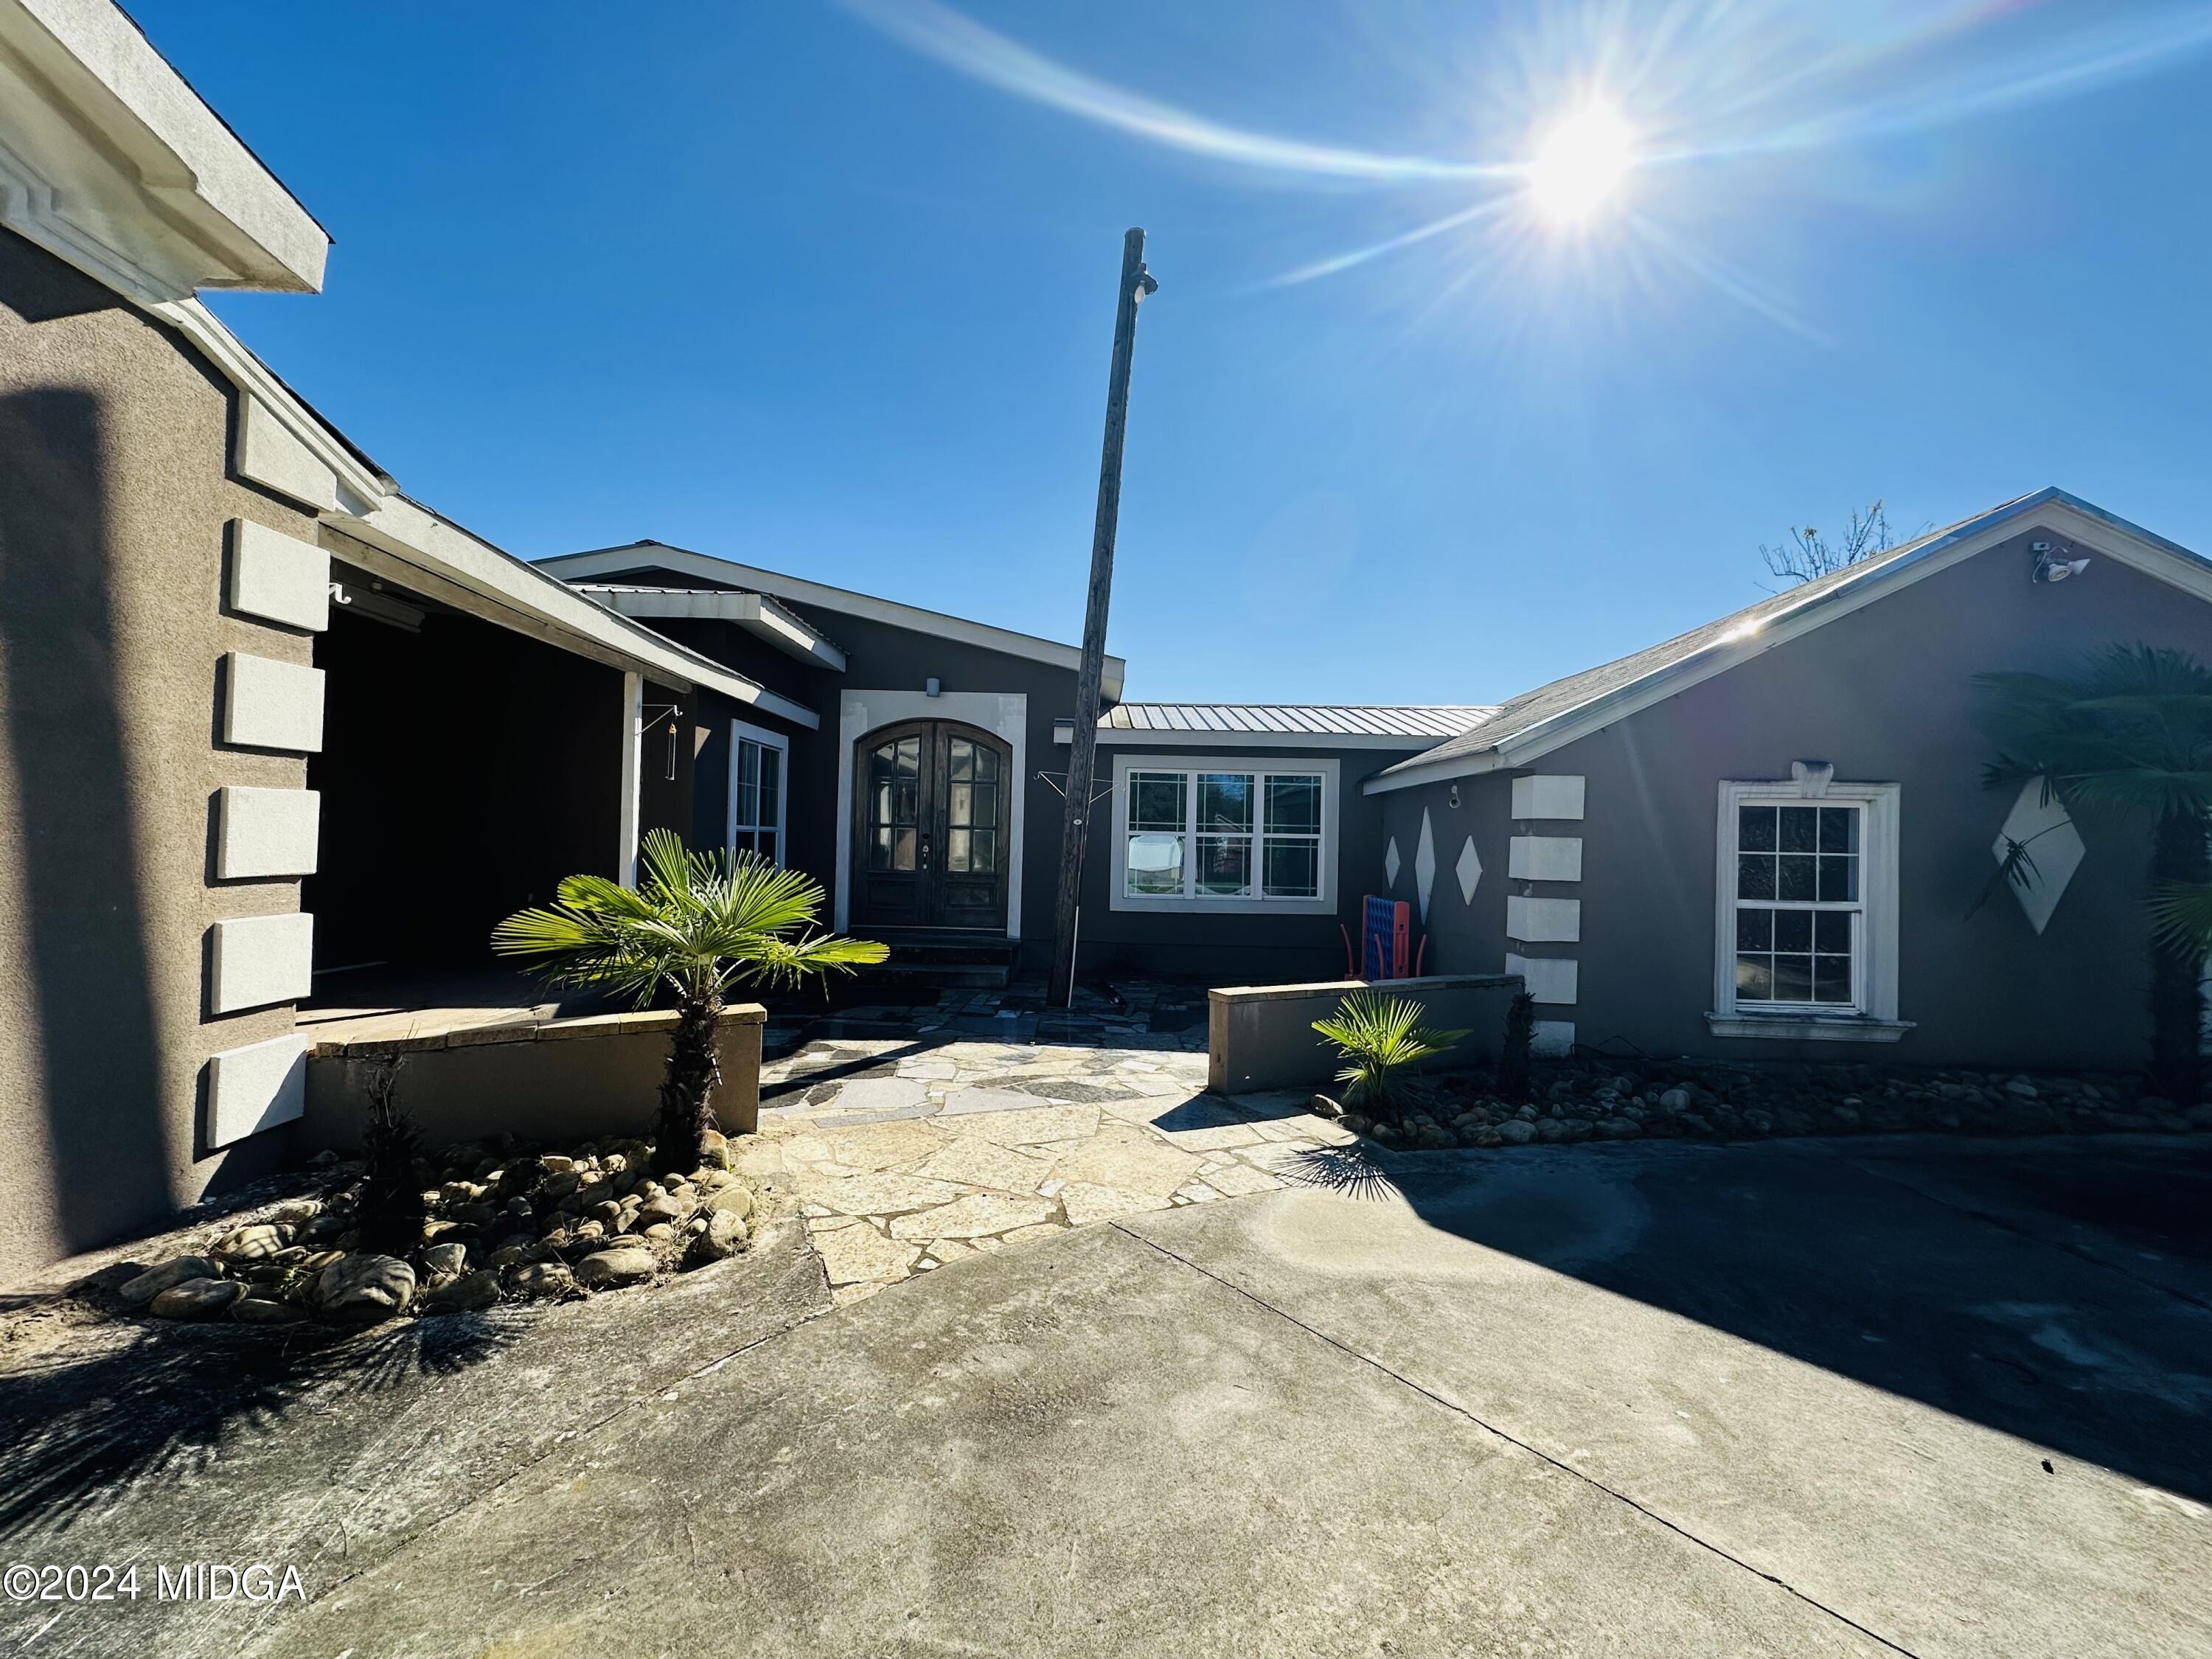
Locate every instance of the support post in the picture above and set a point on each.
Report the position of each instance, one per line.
(633, 778)
(1136, 282)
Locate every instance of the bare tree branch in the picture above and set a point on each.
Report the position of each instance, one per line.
(1807, 556)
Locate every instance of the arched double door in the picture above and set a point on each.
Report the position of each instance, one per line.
(931, 806)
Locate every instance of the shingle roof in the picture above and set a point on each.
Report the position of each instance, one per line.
(1418, 725)
(1517, 716)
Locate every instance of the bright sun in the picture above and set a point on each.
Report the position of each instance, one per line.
(1581, 164)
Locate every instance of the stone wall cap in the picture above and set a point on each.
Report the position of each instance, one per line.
(1346, 986)
(577, 1029)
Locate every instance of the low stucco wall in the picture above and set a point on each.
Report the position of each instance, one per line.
(563, 1079)
(1261, 1036)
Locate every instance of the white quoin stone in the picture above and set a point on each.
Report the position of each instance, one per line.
(267, 704)
(1545, 858)
(1548, 795)
(1543, 921)
(1549, 979)
(267, 451)
(256, 1088)
(1551, 1039)
(259, 960)
(279, 578)
(265, 832)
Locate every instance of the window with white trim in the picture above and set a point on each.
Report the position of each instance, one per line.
(758, 763)
(1805, 939)
(1799, 908)
(1238, 834)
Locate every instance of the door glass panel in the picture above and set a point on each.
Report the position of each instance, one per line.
(894, 804)
(957, 850)
(983, 854)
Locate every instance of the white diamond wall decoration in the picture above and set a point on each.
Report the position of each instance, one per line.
(1469, 870)
(1425, 864)
(1390, 865)
(2052, 847)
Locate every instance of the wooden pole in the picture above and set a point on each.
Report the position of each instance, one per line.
(1082, 760)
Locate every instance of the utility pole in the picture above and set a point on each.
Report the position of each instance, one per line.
(1136, 282)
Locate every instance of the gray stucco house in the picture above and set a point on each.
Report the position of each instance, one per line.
(249, 688)
(1759, 839)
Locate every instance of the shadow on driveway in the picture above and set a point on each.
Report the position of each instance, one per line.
(2058, 1291)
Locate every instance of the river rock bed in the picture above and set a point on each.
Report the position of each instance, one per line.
(502, 1223)
(1615, 1100)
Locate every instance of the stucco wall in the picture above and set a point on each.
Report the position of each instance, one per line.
(1886, 694)
(1241, 948)
(878, 657)
(113, 439)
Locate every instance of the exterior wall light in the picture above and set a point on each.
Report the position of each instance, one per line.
(2050, 568)
(933, 687)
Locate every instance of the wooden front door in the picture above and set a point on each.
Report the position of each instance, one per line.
(932, 803)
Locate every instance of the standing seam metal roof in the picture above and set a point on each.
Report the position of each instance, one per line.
(1420, 724)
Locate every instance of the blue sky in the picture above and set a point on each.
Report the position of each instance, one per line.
(775, 281)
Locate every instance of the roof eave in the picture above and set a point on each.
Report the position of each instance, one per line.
(798, 590)
(113, 163)
(2128, 542)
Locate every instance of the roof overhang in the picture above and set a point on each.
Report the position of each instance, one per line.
(757, 614)
(795, 590)
(2066, 516)
(407, 543)
(110, 161)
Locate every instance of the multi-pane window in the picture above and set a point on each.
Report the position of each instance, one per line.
(1208, 834)
(1800, 915)
(757, 761)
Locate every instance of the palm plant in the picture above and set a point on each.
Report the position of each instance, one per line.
(2128, 736)
(696, 924)
(1377, 1038)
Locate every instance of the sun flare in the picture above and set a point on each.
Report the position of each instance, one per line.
(1581, 165)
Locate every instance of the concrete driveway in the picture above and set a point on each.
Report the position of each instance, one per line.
(1933, 1396)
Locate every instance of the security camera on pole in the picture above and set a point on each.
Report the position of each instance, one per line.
(1136, 282)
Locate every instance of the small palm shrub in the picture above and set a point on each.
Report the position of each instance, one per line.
(696, 925)
(1378, 1038)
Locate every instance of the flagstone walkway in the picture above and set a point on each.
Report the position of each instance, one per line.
(906, 1154)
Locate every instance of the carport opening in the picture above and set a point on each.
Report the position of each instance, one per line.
(466, 769)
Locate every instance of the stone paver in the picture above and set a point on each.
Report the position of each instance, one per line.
(911, 1155)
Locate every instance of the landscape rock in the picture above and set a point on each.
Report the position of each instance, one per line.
(722, 1236)
(467, 1294)
(541, 1278)
(603, 1269)
(364, 1289)
(1516, 1131)
(445, 1261)
(196, 1299)
(137, 1292)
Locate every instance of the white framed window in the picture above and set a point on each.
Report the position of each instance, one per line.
(759, 766)
(1805, 940)
(1223, 834)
